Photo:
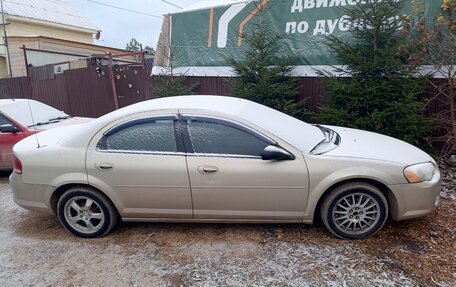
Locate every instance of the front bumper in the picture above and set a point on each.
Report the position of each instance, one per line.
(411, 200)
(33, 197)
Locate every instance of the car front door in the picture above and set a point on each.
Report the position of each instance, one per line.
(229, 179)
(7, 141)
(141, 164)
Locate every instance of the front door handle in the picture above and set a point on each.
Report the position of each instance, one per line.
(104, 166)
(207, 169)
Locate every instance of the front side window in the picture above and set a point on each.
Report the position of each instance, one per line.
(150, 135)
(4, 121)
(210, 136)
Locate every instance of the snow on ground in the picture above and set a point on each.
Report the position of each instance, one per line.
(36, 250)
(277, 264)
(448, 181)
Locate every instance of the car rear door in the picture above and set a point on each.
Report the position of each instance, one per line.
(229, 179)
(141, 164)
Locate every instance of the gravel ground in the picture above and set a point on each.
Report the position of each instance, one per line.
(449, 181)
(36, 250)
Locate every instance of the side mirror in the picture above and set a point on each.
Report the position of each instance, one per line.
(8, 128)
(276, 153)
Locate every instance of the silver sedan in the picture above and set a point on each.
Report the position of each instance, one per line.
(220, 159)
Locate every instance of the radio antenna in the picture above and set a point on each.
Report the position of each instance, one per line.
(33, 123)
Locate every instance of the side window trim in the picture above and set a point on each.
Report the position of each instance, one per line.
(180, 142)
(133, 122)
(182, 129)
(141, 152)
(223, 155)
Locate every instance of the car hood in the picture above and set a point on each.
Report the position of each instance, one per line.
(67, 122)
(368, 145)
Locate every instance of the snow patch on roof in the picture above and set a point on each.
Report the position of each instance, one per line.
(54, 11)
(5, 102)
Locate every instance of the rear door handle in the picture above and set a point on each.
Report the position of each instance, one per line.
(104, 166)
(207, 169)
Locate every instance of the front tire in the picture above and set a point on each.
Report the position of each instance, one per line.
(86, 212)
(354, 211)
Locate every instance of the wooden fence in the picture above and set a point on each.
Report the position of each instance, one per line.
(89, 92)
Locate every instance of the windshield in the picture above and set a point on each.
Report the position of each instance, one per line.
(297, 133)
(34, 114)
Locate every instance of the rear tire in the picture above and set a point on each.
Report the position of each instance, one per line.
(86, 212)
(354, 211)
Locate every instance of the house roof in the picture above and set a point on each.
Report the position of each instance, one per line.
(53, 11)
(67, 41)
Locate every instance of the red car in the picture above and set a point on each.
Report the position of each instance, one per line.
(20, 118)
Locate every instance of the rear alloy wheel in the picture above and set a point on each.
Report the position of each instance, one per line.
(86, 212)
(354, 211)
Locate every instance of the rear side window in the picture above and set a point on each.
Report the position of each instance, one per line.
(214, 137)
(150, 135)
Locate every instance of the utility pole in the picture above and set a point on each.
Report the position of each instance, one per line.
(5, 36)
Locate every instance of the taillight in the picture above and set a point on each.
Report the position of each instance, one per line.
(17, 165)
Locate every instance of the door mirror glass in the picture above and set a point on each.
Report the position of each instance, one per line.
(8, 128)
(276, 153)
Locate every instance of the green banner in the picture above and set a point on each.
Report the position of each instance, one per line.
(202, 38)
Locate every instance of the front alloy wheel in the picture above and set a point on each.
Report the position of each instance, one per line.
(354, 211)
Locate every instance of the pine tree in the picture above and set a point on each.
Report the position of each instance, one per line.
(170, 83)
(262, 74)
(133, 45)
(432, 43)
(379, 92)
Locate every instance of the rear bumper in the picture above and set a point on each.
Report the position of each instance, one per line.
(30, 196)
(414, 200)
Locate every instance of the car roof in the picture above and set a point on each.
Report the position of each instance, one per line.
(227, 105)
(12, 101)
(300, 134)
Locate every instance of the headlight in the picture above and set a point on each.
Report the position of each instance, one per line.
(419, 172)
